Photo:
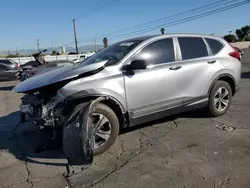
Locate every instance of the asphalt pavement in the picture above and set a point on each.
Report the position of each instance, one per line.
(186, 150)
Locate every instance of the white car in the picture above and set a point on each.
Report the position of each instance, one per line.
(83, 57)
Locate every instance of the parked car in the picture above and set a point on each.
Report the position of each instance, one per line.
(26, 73)
(40, 65)
(39, 60)
(79, 59)
(132, 82)
(83, 57)
(30, 64)
(9, 63)
(8, 70)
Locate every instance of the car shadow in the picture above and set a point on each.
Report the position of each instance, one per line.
(245, 75)
(6, 88)
(23, 140)
(189, 114)
(148, 124)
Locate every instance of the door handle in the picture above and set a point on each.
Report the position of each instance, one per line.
(211, 62)
(175, 68)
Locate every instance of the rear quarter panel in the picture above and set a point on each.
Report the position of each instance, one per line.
(232, 66)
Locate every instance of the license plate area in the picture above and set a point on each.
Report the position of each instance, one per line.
(26, 109)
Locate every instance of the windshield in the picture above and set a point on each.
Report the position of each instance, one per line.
(113, 53)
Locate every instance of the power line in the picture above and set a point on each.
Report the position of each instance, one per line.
(177, 22)
(183, 20)
(94, 10)
(104, 4)
(171, 17)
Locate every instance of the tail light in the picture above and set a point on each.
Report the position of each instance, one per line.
(235, 53)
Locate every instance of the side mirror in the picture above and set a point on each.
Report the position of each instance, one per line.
(136, 65)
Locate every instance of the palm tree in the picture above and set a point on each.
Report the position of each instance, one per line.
(162, 30)
(105, 42)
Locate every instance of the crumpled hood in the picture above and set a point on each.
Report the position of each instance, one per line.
(57, 75)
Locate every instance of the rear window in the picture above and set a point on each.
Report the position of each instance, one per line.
(192, 47)
(215, 45)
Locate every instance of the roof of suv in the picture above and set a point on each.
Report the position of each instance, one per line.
(142, 38)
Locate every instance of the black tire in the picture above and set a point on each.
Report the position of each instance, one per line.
(114, 124)
(211, 107)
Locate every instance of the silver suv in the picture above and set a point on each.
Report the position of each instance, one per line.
(138, 80)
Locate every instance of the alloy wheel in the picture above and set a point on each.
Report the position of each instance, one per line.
(101, 130)
(221, 99)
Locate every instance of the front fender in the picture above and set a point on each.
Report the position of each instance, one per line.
(92, 93)
(77, 133)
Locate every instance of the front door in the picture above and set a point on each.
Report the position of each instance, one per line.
(157, 87)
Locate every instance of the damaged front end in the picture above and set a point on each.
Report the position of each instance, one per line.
(44, 106)
(39, 108)
(77, 130)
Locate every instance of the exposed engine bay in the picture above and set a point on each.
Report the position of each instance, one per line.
(38, 108)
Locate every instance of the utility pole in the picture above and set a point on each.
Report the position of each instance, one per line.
(74, 27)
(37, 43)
(95, 45)
(17, 54)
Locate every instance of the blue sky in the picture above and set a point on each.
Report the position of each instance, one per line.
(22, 22)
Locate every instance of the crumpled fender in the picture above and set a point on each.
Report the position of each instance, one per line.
(77, 136)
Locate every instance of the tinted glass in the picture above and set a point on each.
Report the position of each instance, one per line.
(5, 61)
(192, 47)
(113, 53)
(215, 45)
(2, 67)
(158, 52)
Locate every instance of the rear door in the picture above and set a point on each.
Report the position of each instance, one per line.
(199, 68)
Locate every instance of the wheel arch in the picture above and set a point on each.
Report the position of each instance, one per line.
(227, 78)
(110, 101)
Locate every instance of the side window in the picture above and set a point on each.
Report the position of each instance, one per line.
(7, 62)
(215, 45)
(2, 67)
(158, 52)
(192, 47)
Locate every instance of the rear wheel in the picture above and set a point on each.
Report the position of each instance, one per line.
(220, 98)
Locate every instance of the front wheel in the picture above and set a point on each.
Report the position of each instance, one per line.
(105, 128)
(220, 98)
